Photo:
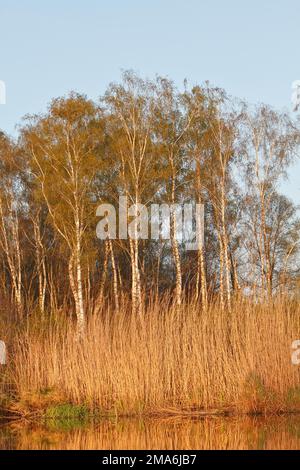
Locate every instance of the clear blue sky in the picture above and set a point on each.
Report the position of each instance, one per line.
(251, 48)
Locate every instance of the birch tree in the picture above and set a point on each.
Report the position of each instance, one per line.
(129, 106)
(11, 192)
(62, 148)
(270, 144)
(172, 124)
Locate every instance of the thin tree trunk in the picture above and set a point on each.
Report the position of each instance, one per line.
(221, 273)
(76, 287)
(175, 248)
(41, 266)
(203, 279)
(80, 306)
(80, 313)
(134, 294)
(104, 274)
(201, 271)
(115, 275)
(13, 256)
(136, 278)
(225, 243)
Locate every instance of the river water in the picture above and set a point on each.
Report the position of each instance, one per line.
(166, 434)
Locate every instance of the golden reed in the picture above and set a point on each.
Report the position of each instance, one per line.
(167, 361)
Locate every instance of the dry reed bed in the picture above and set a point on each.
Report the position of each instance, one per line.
(166, 362)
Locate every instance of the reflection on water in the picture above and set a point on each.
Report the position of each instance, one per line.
(209, 433)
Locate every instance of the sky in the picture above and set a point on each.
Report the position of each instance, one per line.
(250, 48)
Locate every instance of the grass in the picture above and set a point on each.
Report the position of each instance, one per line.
(67, 412)
(168, 361)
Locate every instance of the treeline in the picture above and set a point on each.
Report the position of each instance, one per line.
(153, 144)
